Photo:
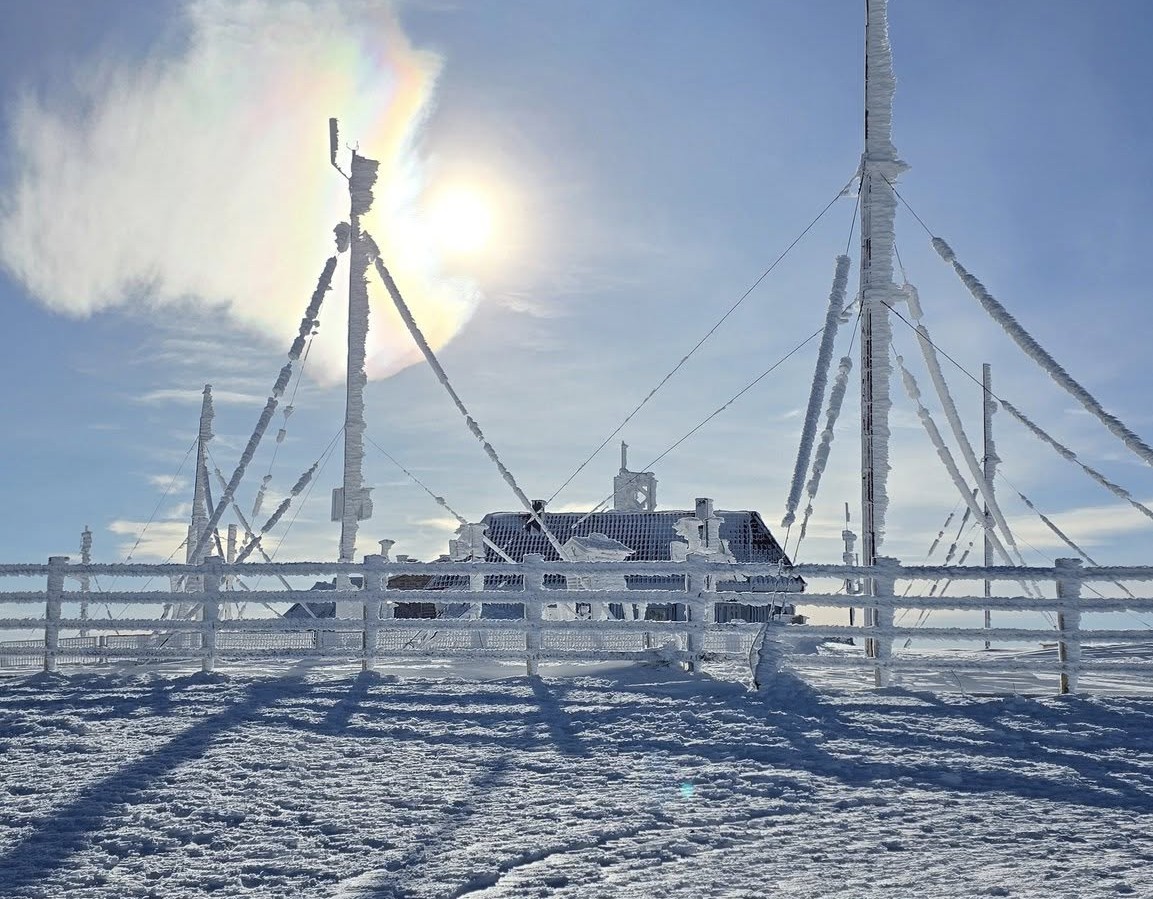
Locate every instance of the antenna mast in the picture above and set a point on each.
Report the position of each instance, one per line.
(879, 169)
(352, 504)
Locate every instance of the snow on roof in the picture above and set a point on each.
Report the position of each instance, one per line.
(648, 534)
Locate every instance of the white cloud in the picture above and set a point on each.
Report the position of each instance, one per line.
(203, 177)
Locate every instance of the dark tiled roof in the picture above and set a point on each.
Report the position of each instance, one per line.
(647, 533)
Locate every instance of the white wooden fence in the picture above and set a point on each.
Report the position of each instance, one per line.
(551, 629)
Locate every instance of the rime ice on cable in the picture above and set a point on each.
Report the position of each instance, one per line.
(1038, 354)
(1066, 453)
(821, 459)
(817, 391)
(953, 417)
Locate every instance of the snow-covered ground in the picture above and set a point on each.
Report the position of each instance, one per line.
(612, 781)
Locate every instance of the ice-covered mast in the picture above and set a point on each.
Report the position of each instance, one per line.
(879, 170)
(353, 503)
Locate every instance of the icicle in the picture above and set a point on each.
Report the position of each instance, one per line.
(1067, 453)
(1035, 351)
(945, 396)
(817, 391)
(442, 376)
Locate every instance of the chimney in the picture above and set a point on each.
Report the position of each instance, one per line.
(704, 508)
(385, 546)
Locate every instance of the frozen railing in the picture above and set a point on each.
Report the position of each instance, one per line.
(559, 624)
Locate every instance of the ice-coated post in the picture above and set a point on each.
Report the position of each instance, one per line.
(210, 614)
(1069, 623)
(884, 582)
(697, 609)
(374, 583)
(533, 585)
(476, 609)
(57, 565)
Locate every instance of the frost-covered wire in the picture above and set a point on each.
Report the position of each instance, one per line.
(733, 308)
(1039, 355)
(274, 519)
(434, 363)
(439, 500)
(821, 458)
(953, 417)
(946, 456)
(306, 325)
(1065, 453)
(704, 421)
(817, 389)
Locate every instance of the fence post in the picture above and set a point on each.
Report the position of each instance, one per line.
(55, 594)
(210, 612)
(698, 609)
(533, 564)
(884, 582)
(374, 578)
(1069, 624)
(476, 610)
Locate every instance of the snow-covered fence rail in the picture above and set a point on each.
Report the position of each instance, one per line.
(519, 617)
(507, 610)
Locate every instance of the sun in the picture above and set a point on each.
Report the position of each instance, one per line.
(460, 219)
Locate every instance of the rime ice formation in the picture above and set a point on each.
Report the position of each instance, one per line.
(817, 392)
(821, 459)
(953, 417)
(940, 535)
(946, 456)
(200, 489)
(307, 323)
(1039, 355)
(274, 519)
(360, 183)
(442, 376)
(880, 167)
(1067, 453)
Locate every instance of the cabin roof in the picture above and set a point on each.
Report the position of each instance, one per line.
(648, 534)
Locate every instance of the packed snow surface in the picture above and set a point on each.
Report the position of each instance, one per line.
(627, 781)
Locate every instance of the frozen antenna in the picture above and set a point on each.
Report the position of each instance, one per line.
(334, 143)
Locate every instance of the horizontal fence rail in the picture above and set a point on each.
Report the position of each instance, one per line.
(587, 612)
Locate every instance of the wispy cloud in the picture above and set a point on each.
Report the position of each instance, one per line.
(194, 397)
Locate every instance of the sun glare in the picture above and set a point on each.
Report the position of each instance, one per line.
(460, 220)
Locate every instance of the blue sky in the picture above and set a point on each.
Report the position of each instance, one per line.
(651, 159)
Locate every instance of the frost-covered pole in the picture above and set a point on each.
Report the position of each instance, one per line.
(194, 551)
(990, 470)
(879, 169)
(85, 580)
(1069, 624)
(360, 182)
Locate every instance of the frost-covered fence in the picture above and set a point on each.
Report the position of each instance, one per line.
(547, 611)
(529, 611)
(1061, 622)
